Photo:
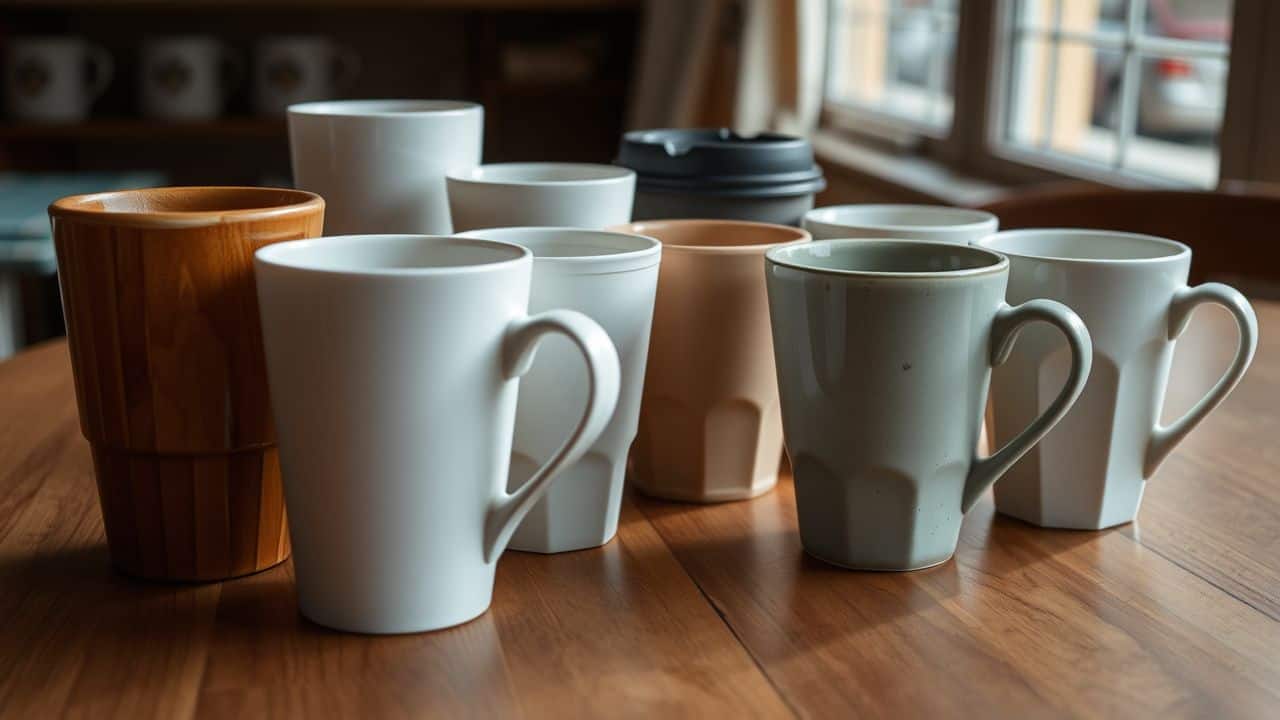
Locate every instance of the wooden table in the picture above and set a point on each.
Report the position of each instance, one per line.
(693, 610)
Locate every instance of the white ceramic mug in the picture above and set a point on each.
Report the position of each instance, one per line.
(936, 223)
(295, 69)
(393, 362)
(1131, 290)
(884, 351)
(380, 164)
(54, 79)
(611, 278)
(551, 194)
(186, 77)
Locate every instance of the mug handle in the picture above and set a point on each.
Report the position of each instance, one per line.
(1004, 330)
(603, 381)
(103, 69)
(1165, 439)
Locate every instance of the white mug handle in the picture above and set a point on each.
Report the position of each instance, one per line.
(603, 382)
(1165, 439)
(1009, 321)
(103, 68)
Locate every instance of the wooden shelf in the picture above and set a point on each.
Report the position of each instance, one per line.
(126, 129)
(533, 5)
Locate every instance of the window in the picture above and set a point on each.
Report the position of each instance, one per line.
(895, 59)
(1137, 87)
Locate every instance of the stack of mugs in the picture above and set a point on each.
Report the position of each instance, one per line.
(420, 435)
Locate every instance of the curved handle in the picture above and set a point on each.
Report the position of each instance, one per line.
(103, 68)
(1008, 322)
(233, 74)
(346, 67)
(1164, 439)
(603, 381)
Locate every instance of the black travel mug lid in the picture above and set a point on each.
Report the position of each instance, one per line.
(720, 161)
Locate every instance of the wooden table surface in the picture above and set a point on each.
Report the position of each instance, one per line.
(692, 610)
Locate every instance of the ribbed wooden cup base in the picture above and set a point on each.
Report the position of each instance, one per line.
(192, 517)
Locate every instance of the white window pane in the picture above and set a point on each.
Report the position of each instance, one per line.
(1065, 99)
(1205, 20)
(1179, 116)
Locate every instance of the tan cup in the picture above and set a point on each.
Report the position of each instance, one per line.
(166, 348)
(710, 425)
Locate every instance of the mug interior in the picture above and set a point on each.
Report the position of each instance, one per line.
(715, 234)
(383, 108)
(389, 254)
(186, 200)
(904, 217)
(541, 173)
(1069, 244)
(569, 243)
(887, 257)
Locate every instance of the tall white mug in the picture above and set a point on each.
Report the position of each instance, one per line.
(611, 278)
(393, 362)
(935, 223)
(380, 164)
(553, 194)
(1131, 291)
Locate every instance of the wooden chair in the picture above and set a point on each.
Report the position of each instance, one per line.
(1234, 234)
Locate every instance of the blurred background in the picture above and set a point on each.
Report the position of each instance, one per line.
(945, 101)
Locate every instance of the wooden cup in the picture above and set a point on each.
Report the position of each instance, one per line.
(166, 349)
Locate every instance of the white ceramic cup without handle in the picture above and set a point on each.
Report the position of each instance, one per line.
(380, 164)
(393, 362)
(186, 77)
(54, 79)
(936, 223)
(611, 278)
(549, 194)
(884, 350)
(1131, 291)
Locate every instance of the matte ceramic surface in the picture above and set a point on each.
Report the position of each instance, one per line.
(610, 278)
(186, 78)
(789, 210)
(710, 428)
(54, 79)
(936, 223)
(291, 69)
(380, 164)
(884, 352)
(1131, 292)
(547, 194)
(394, 363)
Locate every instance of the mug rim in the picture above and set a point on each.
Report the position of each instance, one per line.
(75, 206)
(268, 255)
(978, 219)
(592, 174)
(356, 109)
(647, 255)
(777, 256)
(798, 235)
(989, 242)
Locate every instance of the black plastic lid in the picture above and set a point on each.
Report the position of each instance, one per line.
(720, 162)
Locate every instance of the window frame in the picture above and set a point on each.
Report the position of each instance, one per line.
(973, 145)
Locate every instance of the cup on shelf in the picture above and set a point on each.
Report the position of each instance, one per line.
(163, 330)
(937, 223)
(300, 68)
(394, 363)
(380, 164)
(710, 429)
(54, 79)
(717, 173)
(187, 77)
(553, 194)
(884, 352)
(1131, 291)
(611, 278)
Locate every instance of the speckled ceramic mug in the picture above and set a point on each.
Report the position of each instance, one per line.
(884, 352)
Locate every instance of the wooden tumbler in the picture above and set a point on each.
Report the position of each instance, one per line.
(166, 348)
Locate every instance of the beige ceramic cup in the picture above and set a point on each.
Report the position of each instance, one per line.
(710, 425)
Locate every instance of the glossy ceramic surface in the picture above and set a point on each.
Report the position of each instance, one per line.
(936, 223)
(394, 363)
(548, 194)
(1131, 292)
(884, 351)
(611, 278)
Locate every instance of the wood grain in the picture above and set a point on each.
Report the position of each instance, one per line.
(163, 330)
(693, 611)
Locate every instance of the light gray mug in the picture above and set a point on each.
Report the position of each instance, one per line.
(884, 351)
